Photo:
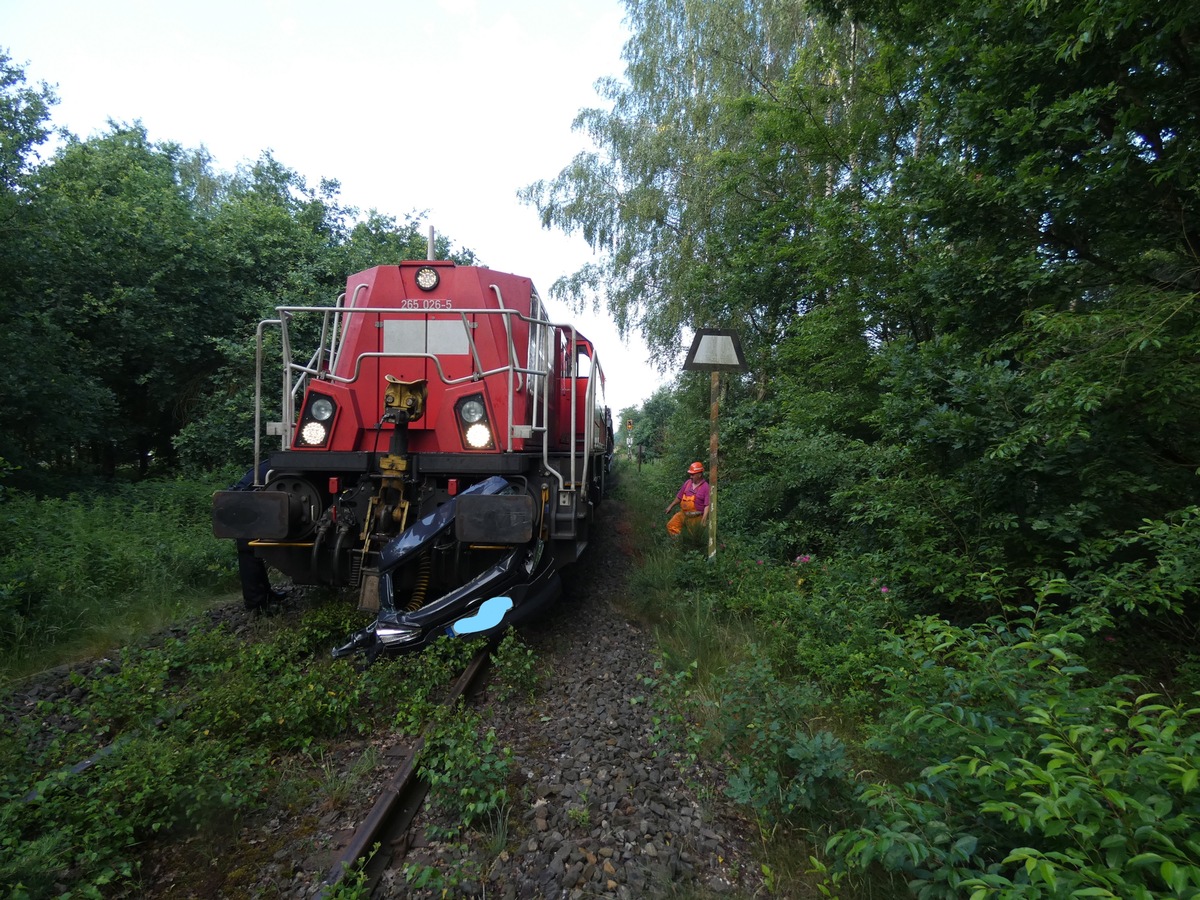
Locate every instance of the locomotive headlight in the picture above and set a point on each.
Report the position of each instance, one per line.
(317, 420)
(479, 436)
(473, 423)
(313, 433)
(472, 411)
(427, 278)
(321, 409)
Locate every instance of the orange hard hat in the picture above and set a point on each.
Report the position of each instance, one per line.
(694, 468)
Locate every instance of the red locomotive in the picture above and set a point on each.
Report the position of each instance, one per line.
(444, 450)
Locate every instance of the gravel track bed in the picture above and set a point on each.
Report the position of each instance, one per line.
(605, 808)
(602, 806)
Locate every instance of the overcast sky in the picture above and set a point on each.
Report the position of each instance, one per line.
(444, 107)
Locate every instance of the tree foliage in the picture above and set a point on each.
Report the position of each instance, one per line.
(115, 271)
(961, 243)
(132, 275)
(694, 226)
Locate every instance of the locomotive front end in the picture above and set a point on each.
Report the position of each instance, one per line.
(443, 449)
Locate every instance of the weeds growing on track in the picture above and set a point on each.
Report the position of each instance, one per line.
(205, 730)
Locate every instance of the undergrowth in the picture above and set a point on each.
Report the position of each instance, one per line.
(200, 732)
(906, 754)
(81, 573)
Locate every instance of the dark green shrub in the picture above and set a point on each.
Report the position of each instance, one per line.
(1153, 570)
(787, 769)
(515, 669)
(73, 564)
(467, 772)
(193, 725)
(1026, 780)
(822, 620)
(85, 828)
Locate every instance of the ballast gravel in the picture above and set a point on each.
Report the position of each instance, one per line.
(606, 808)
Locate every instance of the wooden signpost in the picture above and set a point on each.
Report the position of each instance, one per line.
(714, 351)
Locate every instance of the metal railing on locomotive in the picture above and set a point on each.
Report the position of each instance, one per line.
(333, 329)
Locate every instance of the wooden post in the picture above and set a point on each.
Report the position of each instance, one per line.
(713, 395)
(714, 351)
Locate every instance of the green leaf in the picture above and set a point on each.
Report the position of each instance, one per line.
(1188, 780)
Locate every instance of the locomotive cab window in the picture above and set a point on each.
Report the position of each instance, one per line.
(583, 361)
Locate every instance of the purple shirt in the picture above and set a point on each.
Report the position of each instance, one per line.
(699, 490)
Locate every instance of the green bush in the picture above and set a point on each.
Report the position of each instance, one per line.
(193, 725)
(784, 767)
(787, 770)
(1027, 778)
(515, 669)
(787, 498)
(87, 828)
(1152, 570)
(467, 773)
(822, 620)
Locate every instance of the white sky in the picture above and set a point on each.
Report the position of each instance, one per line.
(444, 106)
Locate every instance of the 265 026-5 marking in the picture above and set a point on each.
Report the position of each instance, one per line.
(426, 303)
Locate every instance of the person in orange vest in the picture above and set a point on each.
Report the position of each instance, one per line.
(693, 500)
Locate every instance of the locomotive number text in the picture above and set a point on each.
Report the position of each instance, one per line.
(422, 303)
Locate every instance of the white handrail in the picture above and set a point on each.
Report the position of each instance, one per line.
(539, 396)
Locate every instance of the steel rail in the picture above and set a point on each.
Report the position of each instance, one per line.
(399, 802)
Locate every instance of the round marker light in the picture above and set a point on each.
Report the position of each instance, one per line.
(478, 436)
(427, 278)
(321, 409)
(313, 433)
(471, 411)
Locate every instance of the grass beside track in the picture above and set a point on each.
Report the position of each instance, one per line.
(884, 751)
(700, 643)
(873, 746)
(84, 573)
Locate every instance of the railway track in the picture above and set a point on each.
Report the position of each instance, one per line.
(597, 804)
(388, 825)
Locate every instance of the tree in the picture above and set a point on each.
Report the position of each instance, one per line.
(1058, 231)
(687, 200)
(116, 264)
(274, 241)
(30, 334)
(650, 423)
(380, 240)
(24, 118)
